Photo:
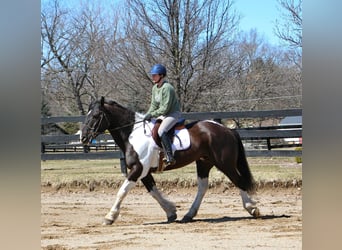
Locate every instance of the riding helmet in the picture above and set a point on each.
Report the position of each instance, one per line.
(158, 69)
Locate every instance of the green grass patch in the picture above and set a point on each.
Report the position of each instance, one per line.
(87, 173)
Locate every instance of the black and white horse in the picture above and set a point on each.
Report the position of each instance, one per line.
(211, 144)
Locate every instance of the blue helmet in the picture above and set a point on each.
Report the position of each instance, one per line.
(158, 69)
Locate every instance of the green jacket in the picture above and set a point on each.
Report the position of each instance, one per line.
(164, 100)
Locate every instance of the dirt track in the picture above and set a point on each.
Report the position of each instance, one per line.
(71, 219)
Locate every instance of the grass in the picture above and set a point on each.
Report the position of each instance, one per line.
(87, 173)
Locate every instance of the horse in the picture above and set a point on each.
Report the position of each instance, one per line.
(211, 144)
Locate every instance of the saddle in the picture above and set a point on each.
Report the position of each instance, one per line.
(171, 133)
(179, 136)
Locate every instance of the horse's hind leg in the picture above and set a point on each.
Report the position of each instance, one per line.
(249, 204)
(203, 168)
(167, 206)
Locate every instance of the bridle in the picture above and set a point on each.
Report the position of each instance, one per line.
(94, 129)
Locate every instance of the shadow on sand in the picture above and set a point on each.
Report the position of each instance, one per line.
(225, 219)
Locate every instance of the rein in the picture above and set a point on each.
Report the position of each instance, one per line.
(127, 125)
(121, 127)
(94, 129)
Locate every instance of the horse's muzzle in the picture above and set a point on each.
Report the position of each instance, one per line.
(85, 140)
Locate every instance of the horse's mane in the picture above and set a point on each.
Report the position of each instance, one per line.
(111, 102)
(126, 113)
(114, 103)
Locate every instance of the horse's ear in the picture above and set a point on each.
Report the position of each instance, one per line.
(102, 100)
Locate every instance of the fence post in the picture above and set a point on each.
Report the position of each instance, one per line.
(86, 149)
(269, 147)
(42, 147)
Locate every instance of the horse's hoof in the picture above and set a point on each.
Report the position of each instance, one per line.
(107, 222)
(186, 219)
(171, 218)
(255, 212)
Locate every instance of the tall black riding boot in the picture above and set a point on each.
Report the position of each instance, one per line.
(166, 143)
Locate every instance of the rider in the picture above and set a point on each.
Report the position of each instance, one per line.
(164, 105)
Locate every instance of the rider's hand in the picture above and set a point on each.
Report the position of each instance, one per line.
(148, 117)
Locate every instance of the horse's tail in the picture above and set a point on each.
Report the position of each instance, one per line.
(246, 182)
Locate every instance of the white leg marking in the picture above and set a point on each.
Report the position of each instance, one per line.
(249, 204)
(113, 214)
(201, 190)
(168, 206)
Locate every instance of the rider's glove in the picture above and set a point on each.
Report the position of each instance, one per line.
(148, 117)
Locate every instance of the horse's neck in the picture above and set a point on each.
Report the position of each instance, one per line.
(121, 136)
(119, 140)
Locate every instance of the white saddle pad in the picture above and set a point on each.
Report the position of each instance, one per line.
(143, 143)
(181, 140)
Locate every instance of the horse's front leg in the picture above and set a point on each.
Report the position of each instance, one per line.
(132, 159)
(113, 214)
(249, 204)
(168, 206)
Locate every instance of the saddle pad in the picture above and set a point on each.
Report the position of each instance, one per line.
(181, 140)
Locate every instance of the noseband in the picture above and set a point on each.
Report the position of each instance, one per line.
(94, 129)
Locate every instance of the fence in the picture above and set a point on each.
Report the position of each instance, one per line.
(258, 141)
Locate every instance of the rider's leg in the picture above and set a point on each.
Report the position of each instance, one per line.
(165, 126)
(167, 146)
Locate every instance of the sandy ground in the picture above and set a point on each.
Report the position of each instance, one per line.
(72, 219)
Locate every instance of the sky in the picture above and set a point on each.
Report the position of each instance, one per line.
(260, 15)
(255, 14)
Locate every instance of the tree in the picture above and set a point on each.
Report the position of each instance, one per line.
(260, 77)
(257, 74)
(76, 57)
(187, 36)
(289, 29)
(91, 51)
(44, 108)
(58, 39)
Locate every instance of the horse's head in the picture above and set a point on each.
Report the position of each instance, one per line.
(96, 121)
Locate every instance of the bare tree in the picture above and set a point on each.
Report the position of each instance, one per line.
(91, 51)
(289, 29)
(187, 36)
(58, 38)
(76, 59)
(260, 77)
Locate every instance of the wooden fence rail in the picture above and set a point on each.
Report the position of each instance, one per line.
(69, 146)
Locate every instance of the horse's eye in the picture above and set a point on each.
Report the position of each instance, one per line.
(93, 113)
(96, 114)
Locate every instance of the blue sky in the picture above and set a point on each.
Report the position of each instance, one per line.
(260, 15)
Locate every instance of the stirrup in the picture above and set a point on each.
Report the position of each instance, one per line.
(168, 162)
